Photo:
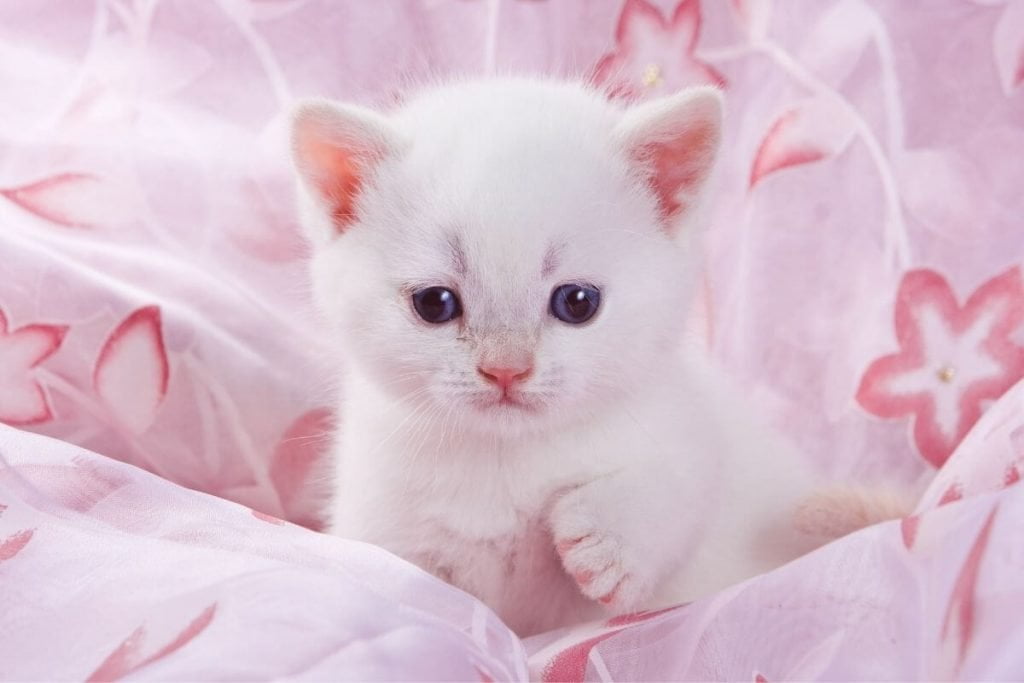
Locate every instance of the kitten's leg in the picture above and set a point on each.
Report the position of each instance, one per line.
(619, 538)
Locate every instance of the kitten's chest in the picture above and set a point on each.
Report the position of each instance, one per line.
(515, 570)
(488, 534)
(487, 502)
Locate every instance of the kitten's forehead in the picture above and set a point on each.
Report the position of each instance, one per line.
(473, 256)
(459, 259)
(457, 254)
(488, 256)
(527, 219)
(458, 116)
(551, 259)
(525, 157)
(510, 186)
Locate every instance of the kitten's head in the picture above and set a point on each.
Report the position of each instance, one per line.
(506, 256)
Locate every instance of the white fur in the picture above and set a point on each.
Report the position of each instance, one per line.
(633, 444)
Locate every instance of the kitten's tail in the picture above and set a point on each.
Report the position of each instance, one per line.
(839, 510)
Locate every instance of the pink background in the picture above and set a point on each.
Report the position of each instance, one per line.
(864, 283)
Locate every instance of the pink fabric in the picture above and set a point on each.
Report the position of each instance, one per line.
(864, 283)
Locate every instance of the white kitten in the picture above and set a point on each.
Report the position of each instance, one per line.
(508, 267)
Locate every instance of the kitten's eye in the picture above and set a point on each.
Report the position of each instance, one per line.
(575, 304)
(437, 304)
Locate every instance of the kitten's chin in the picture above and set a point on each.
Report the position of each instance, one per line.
(505, 416)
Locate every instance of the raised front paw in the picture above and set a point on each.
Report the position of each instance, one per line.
(597, 563)
(602, 564)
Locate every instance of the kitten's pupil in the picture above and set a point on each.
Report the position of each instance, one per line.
(436, 304)
(578, 304)
(575, 304)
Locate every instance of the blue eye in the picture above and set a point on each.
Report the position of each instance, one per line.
(436, 304)
(575, 304)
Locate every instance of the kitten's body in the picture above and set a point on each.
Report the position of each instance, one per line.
(621, 473)
(669, 472)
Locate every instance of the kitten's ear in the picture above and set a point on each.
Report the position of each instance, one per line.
(673, 142)
(336, 148)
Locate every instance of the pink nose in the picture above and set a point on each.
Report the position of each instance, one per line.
(504, 377)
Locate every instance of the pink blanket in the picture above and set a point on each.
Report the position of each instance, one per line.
(864, 283)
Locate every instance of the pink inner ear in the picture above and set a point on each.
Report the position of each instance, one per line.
(678, 166)
(336, 172)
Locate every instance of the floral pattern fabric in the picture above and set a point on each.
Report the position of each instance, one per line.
(864, 283)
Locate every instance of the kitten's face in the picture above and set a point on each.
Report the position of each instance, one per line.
(511, 275)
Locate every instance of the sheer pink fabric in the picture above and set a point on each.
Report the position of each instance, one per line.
(864, 283)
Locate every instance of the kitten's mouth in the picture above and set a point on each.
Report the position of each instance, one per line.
(507, 402)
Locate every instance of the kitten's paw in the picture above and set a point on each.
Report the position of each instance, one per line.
(599, 552)
(602, 570)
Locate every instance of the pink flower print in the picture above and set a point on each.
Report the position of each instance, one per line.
(958, 626)
(908, 530)
(571, 664)
(1011, 476)
(264, 517)
(655, 55)
(79, 485)
(813, 130)
(132, 371)
(23, 401)
(1008, 46)
(638, 617)
(127, 658)
(15, 543)
(293, 465)
(74, 200)
(951, 358)
(753, 16)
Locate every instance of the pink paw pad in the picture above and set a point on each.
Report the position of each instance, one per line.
(610, 596)
(565, 546)
(583, 576)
